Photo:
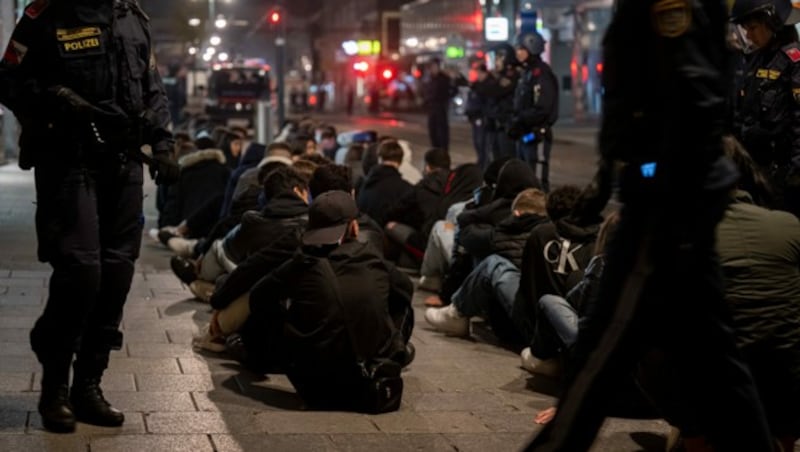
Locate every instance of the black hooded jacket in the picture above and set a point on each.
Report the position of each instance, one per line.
(553, 261)
(360, 293)
(515, 176)
(381, 191)
(283, 216)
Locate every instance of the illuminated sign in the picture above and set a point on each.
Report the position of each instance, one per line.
(363, 47)
(367, 47)
(453, 52)
(496, 29)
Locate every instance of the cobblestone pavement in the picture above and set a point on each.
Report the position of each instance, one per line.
(464, 395)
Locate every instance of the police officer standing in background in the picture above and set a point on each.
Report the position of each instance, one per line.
(767, 116)
(499, 93)
(81, 77)
(476, 109)
(535, 107)
(437, 94)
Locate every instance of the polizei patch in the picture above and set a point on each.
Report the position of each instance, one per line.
(671, 18)
(81, 41)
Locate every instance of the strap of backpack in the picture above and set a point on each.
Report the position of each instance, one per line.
(328, 269)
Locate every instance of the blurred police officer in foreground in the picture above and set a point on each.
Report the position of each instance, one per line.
(767, 117)
(666, 84)
(81, 77)
(535, 107)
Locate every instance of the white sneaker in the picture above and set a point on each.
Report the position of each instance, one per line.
(153, 234)
(534, 365)
(448, 320)
(430, 283)
(207, 341)
(202, 290)
(181, 246)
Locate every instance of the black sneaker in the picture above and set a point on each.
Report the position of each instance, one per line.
(184, 269)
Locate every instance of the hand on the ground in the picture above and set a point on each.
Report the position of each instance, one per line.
(390, 225)
(433, 301)
(545, 416)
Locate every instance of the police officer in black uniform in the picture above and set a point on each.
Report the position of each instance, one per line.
(81, 77)
(499, 107)
(667, 86)
(535, 107)
(767, 116)
(438, 91)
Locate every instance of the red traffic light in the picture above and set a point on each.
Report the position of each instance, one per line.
(387, 74)
(275, 17)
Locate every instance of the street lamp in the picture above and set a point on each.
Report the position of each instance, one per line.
(194, 22)
(221, 22)
(215, 40)
(192, 50)
(222, 57)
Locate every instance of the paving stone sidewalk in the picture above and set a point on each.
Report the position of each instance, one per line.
(461, 395)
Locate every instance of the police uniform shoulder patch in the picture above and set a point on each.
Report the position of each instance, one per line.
(671, 18)
(792, 52)
(36, 8)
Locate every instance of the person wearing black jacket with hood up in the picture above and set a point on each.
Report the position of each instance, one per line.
(411, 220)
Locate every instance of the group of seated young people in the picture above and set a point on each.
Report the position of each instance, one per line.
(301, 268)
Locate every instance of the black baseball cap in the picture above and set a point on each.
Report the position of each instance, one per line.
(328, 217)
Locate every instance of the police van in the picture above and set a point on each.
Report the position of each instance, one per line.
(234, 91)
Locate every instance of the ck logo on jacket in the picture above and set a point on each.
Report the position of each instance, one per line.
(561, 253)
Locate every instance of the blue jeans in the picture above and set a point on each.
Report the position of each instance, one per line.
(562, 317)
(494, 280)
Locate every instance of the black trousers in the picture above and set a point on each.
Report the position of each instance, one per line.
(439, 127)
(664, 251)
(89, 226)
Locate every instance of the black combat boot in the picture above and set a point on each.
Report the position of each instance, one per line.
(55, 409)
(90, 406)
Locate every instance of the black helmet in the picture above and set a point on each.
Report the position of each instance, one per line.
(776, 12)
(532, 42)
(507, 52)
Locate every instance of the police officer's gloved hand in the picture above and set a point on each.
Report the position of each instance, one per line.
(164, 170)
(71, 99)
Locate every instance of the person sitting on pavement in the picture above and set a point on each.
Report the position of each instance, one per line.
(287, 205)
(383, 186)
(203, 176)
(490, 288)
(276, 152)
(230, 299)
(463, 184)
(514, 177)
(759, 250)
(324, 312)
(564, 313)
(553, 261)
(411, 219)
